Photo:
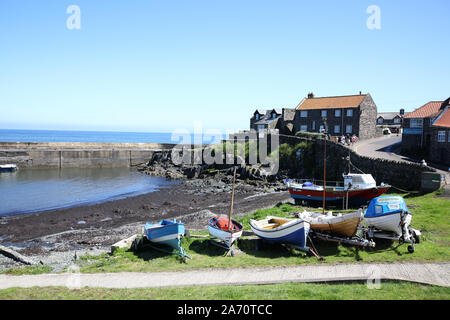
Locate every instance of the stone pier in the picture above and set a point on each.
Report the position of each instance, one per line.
(77, 154)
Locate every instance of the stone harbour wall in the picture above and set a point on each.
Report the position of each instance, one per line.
(79, 155)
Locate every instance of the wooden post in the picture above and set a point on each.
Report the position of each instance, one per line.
(232, 199)
(324, 162)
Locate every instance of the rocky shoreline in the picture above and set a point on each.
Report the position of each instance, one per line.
(58, 237)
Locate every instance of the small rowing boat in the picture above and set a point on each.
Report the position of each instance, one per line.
(344, 225)
(165, 232)
(222, 229)
(219, 227)
(282, 230)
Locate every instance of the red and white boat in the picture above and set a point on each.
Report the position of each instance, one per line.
(358, 190)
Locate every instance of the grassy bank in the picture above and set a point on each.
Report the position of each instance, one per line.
(285, 291)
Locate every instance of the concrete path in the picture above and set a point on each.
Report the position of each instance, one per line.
(428, 273)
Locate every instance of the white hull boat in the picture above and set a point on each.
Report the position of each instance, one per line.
(221, 232)
(282, 230)
(387, 217)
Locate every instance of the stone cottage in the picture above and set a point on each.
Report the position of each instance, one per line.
(353, 114)
(273, 119)
(440, 136)
(417, 129)
(391, 120)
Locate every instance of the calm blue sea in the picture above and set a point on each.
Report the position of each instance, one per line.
(15, 135)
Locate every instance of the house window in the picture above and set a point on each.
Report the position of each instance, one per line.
(260, 127)
(274, 115)
(416, 123)
(313, 125)
(337, 112)
(257, 116)
(324, 113)
(303, 128)
(350, 113)
(337, 129)
(441, 136)
(380, 120)
(348, 128)
(397, 120)
(303, 114)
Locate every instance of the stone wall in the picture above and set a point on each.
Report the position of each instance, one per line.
(367, 118)
(80, 155)
(404, 175)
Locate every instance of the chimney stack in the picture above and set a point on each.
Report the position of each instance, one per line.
(310, 95)
(360, 93)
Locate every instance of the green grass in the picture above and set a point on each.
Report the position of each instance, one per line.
(430, 215)
(37, 269)
(285, 291)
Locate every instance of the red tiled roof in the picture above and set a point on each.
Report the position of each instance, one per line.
(331, 102)
(427, 110)
(444, 119)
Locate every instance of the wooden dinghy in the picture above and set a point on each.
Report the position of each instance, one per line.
(166, 233)
(222, 229)
(344, 225)
(219, 228)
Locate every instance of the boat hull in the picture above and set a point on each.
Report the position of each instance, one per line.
(165, 232)
(228, 237)
(355, 197)
(345, 225)
(295, 232)
(8, 168)
(389, 222)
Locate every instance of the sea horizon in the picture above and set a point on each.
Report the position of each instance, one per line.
(88, 136)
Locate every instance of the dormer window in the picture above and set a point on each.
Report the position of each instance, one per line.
(274, 115)
(256, 116)
(380, 120)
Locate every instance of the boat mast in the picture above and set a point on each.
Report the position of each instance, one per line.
(324, 163)
(232, 199)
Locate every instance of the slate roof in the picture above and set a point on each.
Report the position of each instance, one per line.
(388, 115)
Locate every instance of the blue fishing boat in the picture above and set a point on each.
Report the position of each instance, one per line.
(388, 217)
(8, 167)
(165, 232)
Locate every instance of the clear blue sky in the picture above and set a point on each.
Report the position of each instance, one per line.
(157, 65)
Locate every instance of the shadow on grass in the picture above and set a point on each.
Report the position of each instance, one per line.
(204, 247)
(154, 251)
(385, 245)
(262, 249)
